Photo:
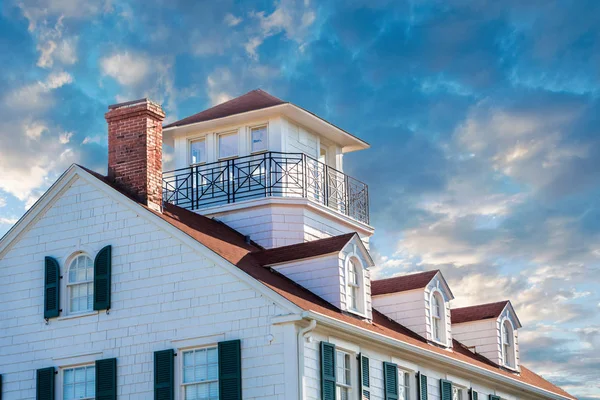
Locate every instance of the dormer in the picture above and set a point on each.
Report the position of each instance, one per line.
(336, 269)
(420, 302)
(269, 169)
(490, 330)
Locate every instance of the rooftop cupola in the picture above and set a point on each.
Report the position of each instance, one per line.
(268, 168)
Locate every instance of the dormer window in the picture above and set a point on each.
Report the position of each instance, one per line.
(508, 349)
(80, 284)
(438, 320)
(353, 285)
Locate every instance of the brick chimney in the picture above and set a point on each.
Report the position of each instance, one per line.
(135, 149)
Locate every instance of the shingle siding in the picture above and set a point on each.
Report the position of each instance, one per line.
(161, 291)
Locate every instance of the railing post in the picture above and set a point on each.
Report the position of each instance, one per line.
(232, 180)
(304, 176)
(228, 181)
(326, 184)
(346, 195)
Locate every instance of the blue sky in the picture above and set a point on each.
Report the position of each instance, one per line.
(483, 117)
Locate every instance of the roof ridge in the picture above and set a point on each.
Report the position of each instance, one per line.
(407, 275)
(481, 305)
(322, 240)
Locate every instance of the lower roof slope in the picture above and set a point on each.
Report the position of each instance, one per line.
(232, 246)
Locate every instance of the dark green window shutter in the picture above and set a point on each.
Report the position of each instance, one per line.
(230, 370)
(51, 288)
(422, 383)
(44, 386)
(473, 394)
(364, 377)
(492, 397)
(106, 379)
(102, 267)
(164, 382)
(328, 371)
(445, 389)
(0, 386)
(390, 381)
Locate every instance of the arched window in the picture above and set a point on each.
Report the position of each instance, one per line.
(353, 281)
(80, 284)
(438, 317)
(508, 348)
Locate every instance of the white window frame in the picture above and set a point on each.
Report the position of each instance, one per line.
(250, 128)
(438, 295)
(189, 149)
(179, 373)
(511, 360)
(351, 368)
(61, 379)
(68, 285)
(405, 383)
(460, 390)
(360, 288)
(235, 132)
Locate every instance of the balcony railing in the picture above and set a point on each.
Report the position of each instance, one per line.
(269, 174)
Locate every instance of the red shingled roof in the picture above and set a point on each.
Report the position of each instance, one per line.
(402, 283)
(302, 250)
(231, 245)
(254, 100)
(477, 313)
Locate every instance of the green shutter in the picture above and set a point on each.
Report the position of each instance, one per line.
(364, 377)
(445, 389)
(44, 386)
(0, 386)
(422, 383)
(51, 288)
(102, 267)
(328, 371)
(164, 382)
(106, 379)
(390, 381)
(473, 394)
(230, 370)
(492, 397)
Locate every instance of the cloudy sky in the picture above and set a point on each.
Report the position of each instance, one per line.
(483, 116)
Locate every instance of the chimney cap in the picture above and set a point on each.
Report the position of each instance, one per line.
(129, 103)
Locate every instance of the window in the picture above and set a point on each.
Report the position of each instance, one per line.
(457, 393)
(353, 283)
(508, 349)
(343, 375)
(258, 139)
(79, 383)
(80, 284)
(438, 317)
(201, 374)
(403, 385)
(228, 145)
(198, 151)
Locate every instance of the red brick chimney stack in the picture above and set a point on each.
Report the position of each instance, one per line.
(135, 149)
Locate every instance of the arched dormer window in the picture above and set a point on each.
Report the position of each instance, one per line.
(354, 278)
(508, 344)
(438, 317)
(80, 284)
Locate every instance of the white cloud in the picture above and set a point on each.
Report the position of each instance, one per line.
(33, 130)
(220, 85)
(232, 20)
(8, 221)
(295, 18)
(2, 202)
(65, 137)
(127, 68)
(37, 95)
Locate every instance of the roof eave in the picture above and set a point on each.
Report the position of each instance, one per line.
(348, 141)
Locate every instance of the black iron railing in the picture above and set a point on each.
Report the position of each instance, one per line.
(265, 175)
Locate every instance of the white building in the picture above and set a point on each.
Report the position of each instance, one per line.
(250, 281)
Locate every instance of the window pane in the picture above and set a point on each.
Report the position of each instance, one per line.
(259, 138)
(188, 358)
(198, 151)
(228, 145)
(79, 383)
